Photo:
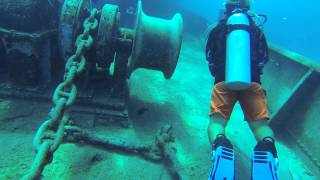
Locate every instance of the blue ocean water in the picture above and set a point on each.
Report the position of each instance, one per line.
(293, 24)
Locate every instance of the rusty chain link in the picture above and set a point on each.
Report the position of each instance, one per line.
(50, 134)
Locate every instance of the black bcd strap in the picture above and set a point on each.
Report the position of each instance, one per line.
(233, 27)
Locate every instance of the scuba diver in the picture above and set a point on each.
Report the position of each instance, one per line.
(236, 52)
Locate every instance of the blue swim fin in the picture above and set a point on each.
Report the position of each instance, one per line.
(264, 166)
(265, 162)
(223, 167)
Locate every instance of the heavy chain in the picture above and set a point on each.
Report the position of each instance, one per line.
(50, 134)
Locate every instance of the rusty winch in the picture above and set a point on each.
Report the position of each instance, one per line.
(153, 43)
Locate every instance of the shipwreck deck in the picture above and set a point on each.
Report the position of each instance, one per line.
(293, 87)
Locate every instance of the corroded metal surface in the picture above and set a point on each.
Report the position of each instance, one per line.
(50, 134)
(107, 35)
(157, 43)
(18, 35)
(26, 15)
(90, 103)
(27, 31)
(71, 18)
(28, 55)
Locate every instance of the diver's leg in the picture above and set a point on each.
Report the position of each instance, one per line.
(261, 129)
(265, 157)
(253, 102)
(264, 136)
(221, 106)
(222, 156)
(264, 161)
(222, 103)
(216, 127)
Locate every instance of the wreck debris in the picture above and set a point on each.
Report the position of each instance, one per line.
(28, 31)
(27, 15)
(17, 35)
(28, 55)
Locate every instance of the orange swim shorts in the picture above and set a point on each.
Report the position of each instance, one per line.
(253, 101)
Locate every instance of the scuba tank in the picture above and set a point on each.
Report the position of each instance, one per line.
(238, 51)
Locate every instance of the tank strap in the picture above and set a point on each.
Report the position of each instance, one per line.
(233, 27)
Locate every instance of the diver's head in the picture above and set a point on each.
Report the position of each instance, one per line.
(231, 5)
